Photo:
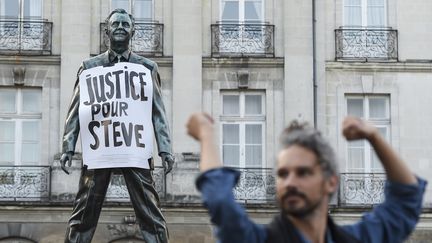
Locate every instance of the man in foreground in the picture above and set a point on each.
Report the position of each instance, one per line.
(94, 182)
(306, 178)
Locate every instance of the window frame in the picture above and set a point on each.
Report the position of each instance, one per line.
(18, 118)
(21, 12)
(242, 119)
(364, 15)
(131, 8)
(377, 122)
(242, 11)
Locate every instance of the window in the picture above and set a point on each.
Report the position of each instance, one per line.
(21, 9)
(371, 13)
(243, 129)
(142, 10)
(242, 11)
(376, 110)
(20, 126)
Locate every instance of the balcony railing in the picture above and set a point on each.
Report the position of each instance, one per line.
(256, 185)
(147, 40)
(117, 190)
(366, 44)
(360, 189)
(242, 40)
(25, 37)
(25, 183)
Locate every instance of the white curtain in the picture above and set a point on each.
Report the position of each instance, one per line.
(378, 108)
(30, 142)
(32, 9)
(355, 107)
(230, 10)
(356, 156)
(124, 4)
(253, 10)
(7, 141)
(253, 145)
(375, 13)
(143, 10)
(253, 105)
(352, 13)
(231, 144)
(231, 105)
(32, 101)
(7, 101)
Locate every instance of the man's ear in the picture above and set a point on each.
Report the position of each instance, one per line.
(332, 184)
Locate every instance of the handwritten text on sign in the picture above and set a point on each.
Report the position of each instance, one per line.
(116, 116)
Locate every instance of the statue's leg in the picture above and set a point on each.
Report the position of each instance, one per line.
(145, 201)
(87, 206)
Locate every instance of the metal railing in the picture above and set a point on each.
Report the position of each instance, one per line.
(361, 189)
(366, 44)
(25, 183)
(117, 189)
(25, 37)
(256, 185)
(147, 40)
(229, 39)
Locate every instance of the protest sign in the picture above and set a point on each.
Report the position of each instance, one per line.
(115, 115)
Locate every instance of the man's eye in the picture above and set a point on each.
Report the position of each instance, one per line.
(115, 24)
(282, 174)
(126, 25)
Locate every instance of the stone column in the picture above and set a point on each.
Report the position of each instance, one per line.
(187, 69)
(298, 60)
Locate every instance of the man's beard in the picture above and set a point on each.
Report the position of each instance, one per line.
(302, 212)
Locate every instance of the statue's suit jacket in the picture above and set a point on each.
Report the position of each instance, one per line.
(160, 122)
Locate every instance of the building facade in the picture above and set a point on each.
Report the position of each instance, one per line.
(254, 65)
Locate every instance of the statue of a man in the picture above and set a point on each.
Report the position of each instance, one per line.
(94, 182)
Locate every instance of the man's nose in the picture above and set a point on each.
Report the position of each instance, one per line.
(291, 180)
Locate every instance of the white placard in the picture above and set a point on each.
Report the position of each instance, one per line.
(115, 114)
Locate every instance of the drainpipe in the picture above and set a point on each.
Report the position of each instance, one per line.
(314, 76)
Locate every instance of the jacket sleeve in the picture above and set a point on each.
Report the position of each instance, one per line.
(233, 225)
(72, 127)
(160, 121)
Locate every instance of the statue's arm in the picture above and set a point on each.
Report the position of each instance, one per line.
(160, 124)
(72, 127)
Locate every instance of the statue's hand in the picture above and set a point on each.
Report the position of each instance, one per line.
(66, 157)
(167, 162)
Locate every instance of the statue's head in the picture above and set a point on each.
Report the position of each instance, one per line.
(120, 26)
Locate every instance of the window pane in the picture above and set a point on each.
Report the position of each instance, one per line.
(143, 9)
(231, 134)
(7, 131)
(253, 134)
(253, 155)
(376, 163)
(356, 159)
(124, 4)
(230, 11)
(7, 101)
(375, 2)
(253, 105)
(353, 2)
(352, 16)
(32, 101)
(7, 153)
(231, 105)
(231, 155)
(378, 108)
(9, 8)
(33, 9)
(253, 11)
(375, 16)
(355, 107)
(30, 153)
(30, 131)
